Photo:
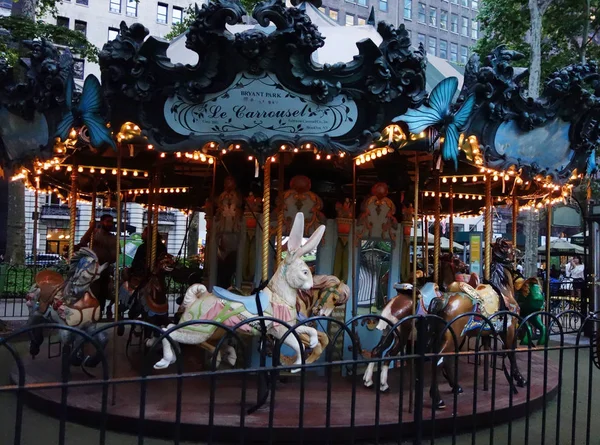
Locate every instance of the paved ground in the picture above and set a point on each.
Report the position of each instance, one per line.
(38, 428)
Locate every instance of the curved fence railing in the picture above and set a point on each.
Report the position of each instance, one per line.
(435, 386)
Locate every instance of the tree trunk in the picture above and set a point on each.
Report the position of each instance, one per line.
(193, 235)
(535, 34)
(15, 237)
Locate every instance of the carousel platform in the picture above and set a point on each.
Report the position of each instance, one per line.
(382, 414)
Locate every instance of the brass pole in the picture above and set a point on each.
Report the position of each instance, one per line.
(515, 217)
(414, 273)
(72, 211)
(116, 274)
(436, 231)
(280, 212)
(155, 219)
(548, 235)
(488, 227)
(352, 246)
(424, 245)
(451, 221)
(149, 208)
(93, 210)
(266, 219)
(34, 245)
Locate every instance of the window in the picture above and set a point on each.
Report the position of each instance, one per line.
(464, 26)
(459, 227)
(62, 21)
(444, 20)
(322, 9)
(82, 2)
(464, 3)
(474, 29)
(115, 6)
(131, 8)
(408, 9)
(421, 17)
(474, 4)
(432, 16)
(78, 68)
(431, 50)
(453, 52)
(362, 21)
(333, 14)
(454, 23)
(81, 26)
(464, 53)
(162, 13)
(349, 19)
(454, 1)
(177, 16)
(443, 49)
(361, 2)
(383, 5)
(112, 33)
(472, 227)
(421, 38)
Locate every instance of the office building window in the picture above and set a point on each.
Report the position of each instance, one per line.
(421, 16)
(408, 9)
(454, 1)
(333, 14)
(82, 2)
(349, 19)
(361, 2)
(454, 23)
(322, 9)
(162, 13)
(362, 21)
(464, 26)
(443, 49)
(464, 3)
(444, 19)
(78, 68)
(62, 21)
(177, 15)
(81, 26)
(112, 33)
(383, 5)
(464, 54)
(432, 16)
(115, 6)
(421, 38)
(131, 10)
(474, 29)
(453, 52)
(474, 4)
(431, 49)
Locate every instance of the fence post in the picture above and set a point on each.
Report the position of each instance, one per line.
(419, 378)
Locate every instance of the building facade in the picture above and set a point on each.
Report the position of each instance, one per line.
(446, 28)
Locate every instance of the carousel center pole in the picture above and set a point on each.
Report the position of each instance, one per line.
(548, 236)
(116, 273)
(488, 227)
(515, 217)
(266, 219)
(72, 211)
(451, 221)
(280, 212)
(436, 231)
(34, 246)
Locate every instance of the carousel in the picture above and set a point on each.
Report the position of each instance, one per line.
(316, 176)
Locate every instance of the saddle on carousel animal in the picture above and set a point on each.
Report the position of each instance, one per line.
(69, 302)
(531, 299)
(278, 300)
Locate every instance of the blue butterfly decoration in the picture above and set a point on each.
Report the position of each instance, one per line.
(440, 116)
(591, 163)
(87, 112)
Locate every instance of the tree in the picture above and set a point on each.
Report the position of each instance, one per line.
(557, 25)
(190, 14)
(21, 25)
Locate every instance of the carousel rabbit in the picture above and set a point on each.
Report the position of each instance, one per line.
(70, 303)
(278, 300)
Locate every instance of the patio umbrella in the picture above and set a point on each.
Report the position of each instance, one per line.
(562, 247)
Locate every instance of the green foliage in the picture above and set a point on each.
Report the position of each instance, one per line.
(507, 22)
(21, 28)
(189, 15)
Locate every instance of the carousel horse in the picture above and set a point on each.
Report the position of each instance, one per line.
(147, 296)
(454, 270)
(68, 302)
(531, 299)
(277, 300)
(486, 300)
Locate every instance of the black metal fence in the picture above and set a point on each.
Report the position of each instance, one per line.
(258, 399)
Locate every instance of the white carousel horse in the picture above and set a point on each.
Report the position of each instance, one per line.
(278, 300)
(68, 302)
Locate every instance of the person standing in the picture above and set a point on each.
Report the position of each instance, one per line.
(105, 247)
(576, 271)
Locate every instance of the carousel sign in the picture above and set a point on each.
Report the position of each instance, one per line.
(260, 103)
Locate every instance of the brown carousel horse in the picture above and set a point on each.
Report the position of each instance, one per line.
(485, 299)
(453, 270)
(147, 296)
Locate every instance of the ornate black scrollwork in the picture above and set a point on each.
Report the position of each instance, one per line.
(568, 109)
